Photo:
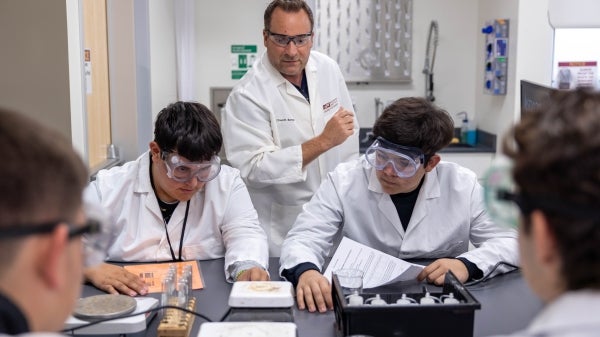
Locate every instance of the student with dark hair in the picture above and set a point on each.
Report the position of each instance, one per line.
(41, 222)
(401, 199)
(177, 202)
(555, 152)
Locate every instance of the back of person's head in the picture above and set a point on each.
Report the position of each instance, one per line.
(416, 122)
(41, 177)
(556, 156)
(190, 129)
(288, 6)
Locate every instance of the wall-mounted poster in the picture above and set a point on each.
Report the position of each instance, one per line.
(577, 74)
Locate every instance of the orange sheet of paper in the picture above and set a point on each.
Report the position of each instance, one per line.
(153, 273)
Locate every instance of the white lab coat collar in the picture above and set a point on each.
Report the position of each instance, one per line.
(143, 185)
(429, 190)
(277, 77)
(311, 77)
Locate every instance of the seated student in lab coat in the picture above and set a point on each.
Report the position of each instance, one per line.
(556, 167)
(401, 199)
(176, 202)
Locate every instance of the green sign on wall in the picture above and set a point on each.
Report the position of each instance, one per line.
(242, 57)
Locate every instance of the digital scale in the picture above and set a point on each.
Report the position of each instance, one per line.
(94, 308)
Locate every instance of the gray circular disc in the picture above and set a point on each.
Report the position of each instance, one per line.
(104, 306)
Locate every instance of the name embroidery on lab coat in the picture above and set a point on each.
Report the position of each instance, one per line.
(330, 105)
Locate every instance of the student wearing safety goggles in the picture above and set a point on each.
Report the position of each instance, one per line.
(401, 199)
(178, 203)
(555, 204)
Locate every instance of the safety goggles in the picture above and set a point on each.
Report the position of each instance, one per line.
(505, 205)
(405, 160)
(93, 254)
(181, 170)
(500, 196)
(283, 40)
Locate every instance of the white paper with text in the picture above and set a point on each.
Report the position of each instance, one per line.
(378, 268)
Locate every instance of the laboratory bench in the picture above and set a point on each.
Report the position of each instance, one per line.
(507, 304)
(486, 143)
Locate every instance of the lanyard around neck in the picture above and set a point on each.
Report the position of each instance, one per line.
(187, 208)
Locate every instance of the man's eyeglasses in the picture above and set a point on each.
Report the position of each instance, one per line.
(283, 40)
(95, 242)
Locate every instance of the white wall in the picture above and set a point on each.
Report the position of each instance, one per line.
(495, 112)
(219, 25)
(223, 23)
(530, 57)
(34, 61)
(454, 73)
(163, 62)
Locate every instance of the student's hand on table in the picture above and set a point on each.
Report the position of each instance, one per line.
(253, 274)
(115, 279)
(314, 292)
(436, 271)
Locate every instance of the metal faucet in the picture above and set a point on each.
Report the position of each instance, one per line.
(378, 107)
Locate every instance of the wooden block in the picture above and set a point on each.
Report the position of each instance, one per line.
(177, 323)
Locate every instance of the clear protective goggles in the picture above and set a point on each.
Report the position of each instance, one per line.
(283, 40)
(499, 194)
(506, 205)
(405, 160)
(182, 170)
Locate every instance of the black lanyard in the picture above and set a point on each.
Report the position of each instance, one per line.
(187, 208)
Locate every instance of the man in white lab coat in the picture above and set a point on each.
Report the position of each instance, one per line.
(176, 202)
(289, 121)
(401, 199)
(556, 167)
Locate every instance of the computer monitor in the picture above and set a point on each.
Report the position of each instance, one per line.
(533, 94)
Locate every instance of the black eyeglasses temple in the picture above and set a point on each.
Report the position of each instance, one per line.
(91, 226)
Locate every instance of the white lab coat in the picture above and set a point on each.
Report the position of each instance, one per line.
(221, 222)
(449, 213)
(573, 314)
(265, 121)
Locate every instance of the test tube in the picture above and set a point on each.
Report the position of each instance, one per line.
(187, 272)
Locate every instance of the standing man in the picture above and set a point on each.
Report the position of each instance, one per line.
(555, 151)
(41, 222)
(289, 121)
